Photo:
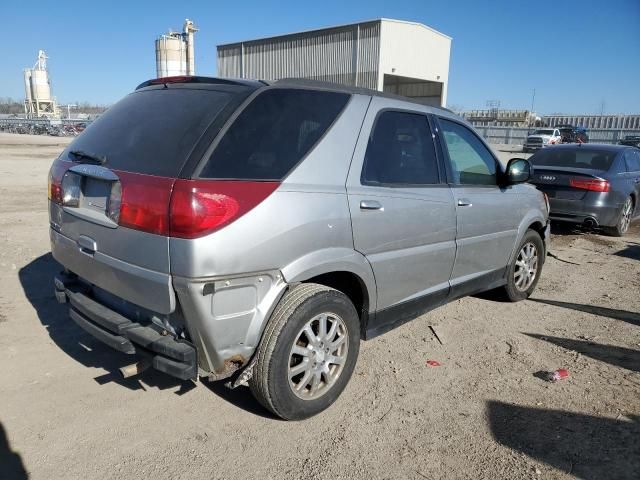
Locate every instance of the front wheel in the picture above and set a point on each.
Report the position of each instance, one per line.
(524, 271)
(624, 220)
(308, 352)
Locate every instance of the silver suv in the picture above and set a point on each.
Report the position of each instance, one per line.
(257, 232)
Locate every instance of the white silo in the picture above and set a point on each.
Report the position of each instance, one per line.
(171, 55)
(175, 52)
(38, 100)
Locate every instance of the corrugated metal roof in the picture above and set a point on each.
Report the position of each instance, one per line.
(333, 27)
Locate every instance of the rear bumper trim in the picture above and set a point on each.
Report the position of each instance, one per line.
(174, 357)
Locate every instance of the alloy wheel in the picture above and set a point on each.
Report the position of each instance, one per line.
(526, 267)
(625, 220)
(318, 356)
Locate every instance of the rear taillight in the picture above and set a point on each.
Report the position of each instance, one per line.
(144, 202)
(199, 207)
(182, 208)
(593, 184)
(56, 174)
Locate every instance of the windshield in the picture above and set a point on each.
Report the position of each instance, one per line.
(543, 132)
(574, 158)
(151, 131)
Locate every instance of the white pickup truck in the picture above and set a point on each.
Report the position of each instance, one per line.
(541, 138)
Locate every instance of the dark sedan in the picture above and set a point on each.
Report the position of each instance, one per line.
(593, 185)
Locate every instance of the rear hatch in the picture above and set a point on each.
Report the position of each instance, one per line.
(110, 189)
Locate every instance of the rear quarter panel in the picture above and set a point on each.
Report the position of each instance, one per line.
(304, 227)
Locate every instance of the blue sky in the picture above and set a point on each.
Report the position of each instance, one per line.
(576, 55)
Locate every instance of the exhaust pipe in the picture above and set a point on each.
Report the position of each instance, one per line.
(590, 222)
(135, 368)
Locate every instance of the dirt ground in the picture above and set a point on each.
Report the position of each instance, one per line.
(485, 413)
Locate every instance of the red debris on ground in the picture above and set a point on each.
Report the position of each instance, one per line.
(558, 375)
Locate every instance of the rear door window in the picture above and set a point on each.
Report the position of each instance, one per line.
(632, 160)
(273, 133)
(151, 131)
(400, 151)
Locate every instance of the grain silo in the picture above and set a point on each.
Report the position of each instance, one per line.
(38, 100)
(175, 52)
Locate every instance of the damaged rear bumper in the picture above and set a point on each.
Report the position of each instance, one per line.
(172, 356)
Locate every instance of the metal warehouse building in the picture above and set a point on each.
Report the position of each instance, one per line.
(393, 56)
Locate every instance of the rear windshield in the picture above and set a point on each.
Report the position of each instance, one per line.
(574, 158)
(273, 133)
(152, 131)
(543, 132)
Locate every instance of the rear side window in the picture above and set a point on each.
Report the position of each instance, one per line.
(273, 133)
(472, 163)
(632, 159)
(400, 151)
(578, 157)
(152, 131)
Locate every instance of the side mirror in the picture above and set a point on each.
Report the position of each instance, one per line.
(519, 170)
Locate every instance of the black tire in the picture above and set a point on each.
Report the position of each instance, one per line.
(512, 292)
(270, 382)
(622, 225)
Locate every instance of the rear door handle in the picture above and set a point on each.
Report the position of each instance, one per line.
(370, 205)
(463, 202)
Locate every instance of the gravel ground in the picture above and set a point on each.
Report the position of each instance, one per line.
(484, 413)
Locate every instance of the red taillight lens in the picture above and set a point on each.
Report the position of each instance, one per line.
(199, 207)
(57, 171)
(144, 202)
(183, 208)
(593, 184)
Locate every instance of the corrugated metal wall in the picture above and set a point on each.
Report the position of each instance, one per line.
(347, 55)
(594, 121)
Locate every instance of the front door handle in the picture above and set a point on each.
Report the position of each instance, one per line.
(463, 202)
(370, 205)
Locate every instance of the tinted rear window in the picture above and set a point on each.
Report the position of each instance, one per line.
(574, 158)
(273, 133)
(153, 131)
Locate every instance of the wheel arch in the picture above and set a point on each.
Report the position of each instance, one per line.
(343, 269)
(533, 221)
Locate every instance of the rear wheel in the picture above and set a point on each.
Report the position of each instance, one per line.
(524, 271)
(624, 220)
(308, 352)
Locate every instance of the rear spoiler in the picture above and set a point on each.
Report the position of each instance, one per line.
(197, 79)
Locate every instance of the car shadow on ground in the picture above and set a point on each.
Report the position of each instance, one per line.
(36, 279)
(631, 251)
(584, 446)
(611, 354)
(622, 315)
(239, 397)
(11, 466)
